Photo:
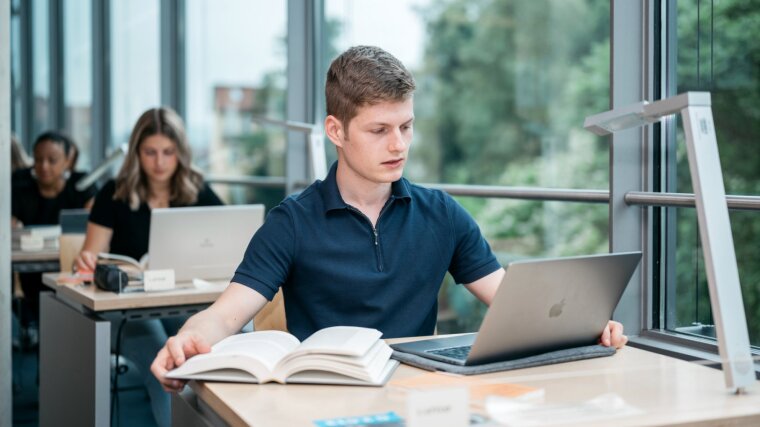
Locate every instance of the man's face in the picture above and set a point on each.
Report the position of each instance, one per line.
(376, 146)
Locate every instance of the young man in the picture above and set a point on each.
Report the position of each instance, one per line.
(364, 247)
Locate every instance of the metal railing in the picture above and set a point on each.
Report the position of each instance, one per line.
(633, 198)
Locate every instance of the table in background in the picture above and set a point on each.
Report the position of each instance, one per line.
(668, 391)
(43, 260)
(75, 343)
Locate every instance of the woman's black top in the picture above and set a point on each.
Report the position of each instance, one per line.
(131, 229)
(32, 208)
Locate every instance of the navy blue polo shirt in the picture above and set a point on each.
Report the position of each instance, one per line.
(335, 268)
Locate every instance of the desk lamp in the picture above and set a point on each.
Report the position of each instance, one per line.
(712, 215)
(317, 157)
(102, 168)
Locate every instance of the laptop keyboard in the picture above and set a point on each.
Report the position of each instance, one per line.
(459, 353)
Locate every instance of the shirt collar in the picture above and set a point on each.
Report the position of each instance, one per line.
(331, 195)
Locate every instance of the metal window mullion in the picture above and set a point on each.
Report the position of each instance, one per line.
(172, 72)
(670, 231)
(301, 80)
(626, 162)
(101, 80)
(56, 117)
(26, 53)
(6, 386)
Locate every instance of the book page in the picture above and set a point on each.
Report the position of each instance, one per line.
(367, 367)
(255, 353)
(267, 346)
(342, 340)
(121, 258)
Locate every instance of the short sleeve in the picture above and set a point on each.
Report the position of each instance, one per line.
(104, 209)
(473, 258)
(270, 253)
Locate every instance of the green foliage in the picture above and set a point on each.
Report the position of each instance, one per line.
(504, 89)
(720, 54)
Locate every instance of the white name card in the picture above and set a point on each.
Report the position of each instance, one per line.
(158, 280)
(447, 407)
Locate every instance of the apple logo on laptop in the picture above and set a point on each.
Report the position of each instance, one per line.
(556, 309)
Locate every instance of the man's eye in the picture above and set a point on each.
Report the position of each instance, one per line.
(378, 131)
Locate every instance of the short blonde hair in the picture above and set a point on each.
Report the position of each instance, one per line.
(132, 183)
(365, 75)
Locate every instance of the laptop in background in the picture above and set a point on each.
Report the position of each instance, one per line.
(541, 305)
(73, 221)
(203, 242)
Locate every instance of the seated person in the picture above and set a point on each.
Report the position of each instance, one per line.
(364, 247)
(157, 173)
(37, 196)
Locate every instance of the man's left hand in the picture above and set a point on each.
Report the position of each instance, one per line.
(613, 335)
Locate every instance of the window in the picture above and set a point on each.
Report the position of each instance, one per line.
(236, 63)
(503, 89)
(77, 16)
(135, 64)
(717, 51)
(41, 68)
(17, 78)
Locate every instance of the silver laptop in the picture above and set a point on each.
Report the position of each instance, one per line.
(205, 242)
(541, 305)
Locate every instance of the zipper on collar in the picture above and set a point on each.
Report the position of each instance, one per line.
(375, 231)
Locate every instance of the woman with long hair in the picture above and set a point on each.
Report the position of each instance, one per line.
(157, 173)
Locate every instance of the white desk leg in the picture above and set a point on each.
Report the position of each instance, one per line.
(75, 367)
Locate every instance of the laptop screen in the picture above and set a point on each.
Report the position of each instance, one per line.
(205, 242)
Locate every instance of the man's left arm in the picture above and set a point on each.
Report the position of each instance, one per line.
(485, 288)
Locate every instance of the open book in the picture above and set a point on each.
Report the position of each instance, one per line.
(337, 355)
(124, 259)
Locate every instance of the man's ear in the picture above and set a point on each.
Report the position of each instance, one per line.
(334, 130)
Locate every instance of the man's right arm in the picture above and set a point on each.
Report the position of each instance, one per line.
(234, 308)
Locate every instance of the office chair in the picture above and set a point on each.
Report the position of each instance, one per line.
(272, 316)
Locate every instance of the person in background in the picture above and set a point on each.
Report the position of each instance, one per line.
(363, 247)
(157, 173)
(38, 194)
(19, 159)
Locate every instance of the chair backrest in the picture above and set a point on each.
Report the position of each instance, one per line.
(272, 316)
(69, 245)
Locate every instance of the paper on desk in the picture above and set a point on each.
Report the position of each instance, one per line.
(514, 412)
(479, 389)
(74, 279)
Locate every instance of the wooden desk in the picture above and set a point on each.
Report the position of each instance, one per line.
(75, 343)
(666, 390)
(46, 259)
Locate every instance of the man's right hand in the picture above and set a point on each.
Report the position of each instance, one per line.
(175, 352)
(86, 261)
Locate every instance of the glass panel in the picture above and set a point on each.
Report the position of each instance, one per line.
(718, 51)
(503, 89)
(236, 69)
(135, 64)
(40, 67)
(77, 62)
(17, 78)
